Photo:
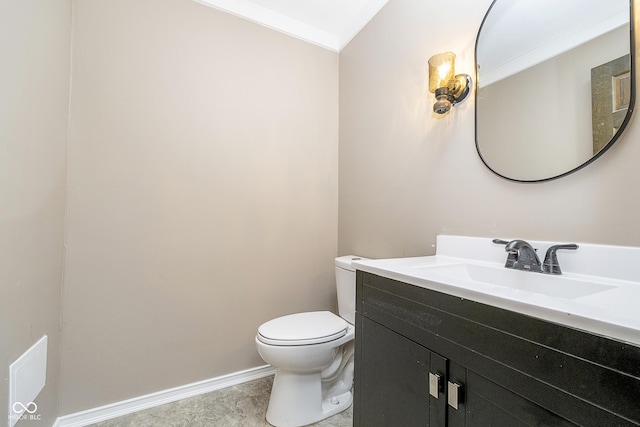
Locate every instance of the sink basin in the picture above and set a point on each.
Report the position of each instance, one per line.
(552, 285)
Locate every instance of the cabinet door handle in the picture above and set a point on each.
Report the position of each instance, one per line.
(453, 394)
(435, 381)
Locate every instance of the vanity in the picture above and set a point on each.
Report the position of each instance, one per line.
(457, 339)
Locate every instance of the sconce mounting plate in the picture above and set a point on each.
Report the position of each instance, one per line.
(461, 88)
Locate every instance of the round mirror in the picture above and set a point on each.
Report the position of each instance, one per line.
(554, 84)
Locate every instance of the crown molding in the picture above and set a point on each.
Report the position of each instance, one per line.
(297, 28)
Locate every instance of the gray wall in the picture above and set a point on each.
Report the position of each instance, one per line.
(34, 100)
(203, 188)
(407, 176)
(202, 194)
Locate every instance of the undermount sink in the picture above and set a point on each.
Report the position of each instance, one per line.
(551, 285)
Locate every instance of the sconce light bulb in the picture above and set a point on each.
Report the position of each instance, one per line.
(443, 72)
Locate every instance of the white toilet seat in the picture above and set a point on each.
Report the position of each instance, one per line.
(308, 328)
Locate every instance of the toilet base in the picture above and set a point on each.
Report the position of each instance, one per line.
(296, 400)
(336, 404)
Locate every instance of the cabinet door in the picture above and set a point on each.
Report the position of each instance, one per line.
(457, 397)
(488, 404)
(437, 389)
(392, 388)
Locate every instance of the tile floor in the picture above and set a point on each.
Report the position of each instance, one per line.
(242, 405)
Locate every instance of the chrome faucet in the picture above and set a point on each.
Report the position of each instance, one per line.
(522, 256)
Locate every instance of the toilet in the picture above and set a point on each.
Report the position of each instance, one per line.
(313, 356)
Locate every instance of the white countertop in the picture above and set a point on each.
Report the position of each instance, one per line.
(614, 312)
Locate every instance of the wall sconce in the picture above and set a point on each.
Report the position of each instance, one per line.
(448, 87)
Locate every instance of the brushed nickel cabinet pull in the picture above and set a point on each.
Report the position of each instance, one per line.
(434, 384)
(453, 394)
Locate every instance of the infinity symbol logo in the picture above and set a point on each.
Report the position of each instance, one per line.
(20, 407)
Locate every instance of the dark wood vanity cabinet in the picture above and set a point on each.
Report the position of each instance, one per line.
(424, 358)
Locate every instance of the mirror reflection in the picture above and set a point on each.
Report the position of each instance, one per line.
(554, 84)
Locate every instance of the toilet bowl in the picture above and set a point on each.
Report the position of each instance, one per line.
(313, 356)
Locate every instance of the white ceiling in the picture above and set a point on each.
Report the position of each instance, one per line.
(328, 23)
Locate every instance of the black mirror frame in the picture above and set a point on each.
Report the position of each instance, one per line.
(618, 134)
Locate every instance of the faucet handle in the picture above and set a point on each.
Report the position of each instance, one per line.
(550, 264)
(512, 258)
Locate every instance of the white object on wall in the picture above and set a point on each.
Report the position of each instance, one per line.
(27, 377)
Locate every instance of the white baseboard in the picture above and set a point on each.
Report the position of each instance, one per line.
(118, 409)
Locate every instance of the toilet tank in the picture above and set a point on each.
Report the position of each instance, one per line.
(346, 287)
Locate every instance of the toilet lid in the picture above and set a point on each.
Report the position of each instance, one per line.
(303, 329)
